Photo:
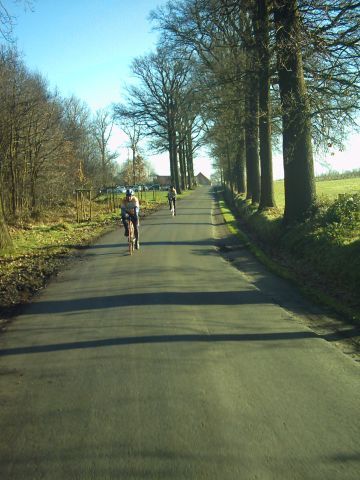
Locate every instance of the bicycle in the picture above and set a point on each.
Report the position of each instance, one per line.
(133, 243)
(131, 237)
(173, 208)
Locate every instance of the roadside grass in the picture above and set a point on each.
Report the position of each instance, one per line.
(325, 189)
(40, 250)
(59, 230)
(322, 255)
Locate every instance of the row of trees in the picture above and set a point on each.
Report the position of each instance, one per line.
(241, 76)
(49, 145)
(162, 107)
(238, 76)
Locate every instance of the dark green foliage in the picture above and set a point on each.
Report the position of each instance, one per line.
(323, 253)
(345, 211)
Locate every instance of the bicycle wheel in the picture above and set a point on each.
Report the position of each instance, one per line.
(131, 238)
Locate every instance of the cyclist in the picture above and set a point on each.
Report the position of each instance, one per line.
(130, 212)
(172, 197)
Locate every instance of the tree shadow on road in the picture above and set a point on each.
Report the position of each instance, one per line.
(153, 339)
(151, 299)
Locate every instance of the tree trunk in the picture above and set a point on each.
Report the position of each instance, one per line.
(5, 240)
(252, 140)
(133, 165)
(267, 199)
(240, 151)
(182, 163)
(174, 168)
(189, 159)
(297, 148)
(229, 173)
(240, 159)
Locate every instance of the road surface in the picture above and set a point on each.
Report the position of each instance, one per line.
(172, 364)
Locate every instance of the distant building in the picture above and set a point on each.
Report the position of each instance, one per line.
(162, 180)
(202, 180)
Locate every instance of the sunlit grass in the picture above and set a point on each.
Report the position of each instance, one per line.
(329, 189)
(60, 231)
(332, 188)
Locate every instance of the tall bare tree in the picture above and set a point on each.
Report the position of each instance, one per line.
(331, 56)
(296, 119)
(7, 19)
(156, 102)
(133, 129)
(267, 199)
(101, 128)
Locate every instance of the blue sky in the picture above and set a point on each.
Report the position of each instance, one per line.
(85, 48)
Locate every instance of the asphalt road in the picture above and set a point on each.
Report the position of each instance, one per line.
(171, 364)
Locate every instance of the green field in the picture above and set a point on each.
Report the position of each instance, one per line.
(324, 188)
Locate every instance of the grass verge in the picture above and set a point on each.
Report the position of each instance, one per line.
(40, 250)
(321, 257)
